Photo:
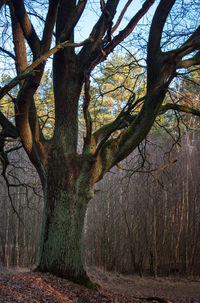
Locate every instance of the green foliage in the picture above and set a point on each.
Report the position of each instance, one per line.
(184, 91)
(44, 101)
(191, 81)
(112, 86)
(7, 104)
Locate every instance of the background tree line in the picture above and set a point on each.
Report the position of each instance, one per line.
(148, 222)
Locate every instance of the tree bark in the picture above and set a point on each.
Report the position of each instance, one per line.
(63, 223)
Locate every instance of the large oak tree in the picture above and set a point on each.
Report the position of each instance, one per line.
(68, 177)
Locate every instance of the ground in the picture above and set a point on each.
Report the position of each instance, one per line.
(30, 287)
(174, 289)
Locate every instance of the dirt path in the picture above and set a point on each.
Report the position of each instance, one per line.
(174, 289)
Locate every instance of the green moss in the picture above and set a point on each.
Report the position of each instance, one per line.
(62, 247)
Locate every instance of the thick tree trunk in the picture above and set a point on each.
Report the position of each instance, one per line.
(61, 247)
(63, 223)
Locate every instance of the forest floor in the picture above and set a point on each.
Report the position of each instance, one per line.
(30, 287)
(175, 289)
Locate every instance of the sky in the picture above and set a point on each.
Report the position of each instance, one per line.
(85, 25)
(88, 20)
(92, 11)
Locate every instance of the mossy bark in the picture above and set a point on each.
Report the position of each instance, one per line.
(61, 241)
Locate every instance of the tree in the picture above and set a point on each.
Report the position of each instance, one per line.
(67, 176)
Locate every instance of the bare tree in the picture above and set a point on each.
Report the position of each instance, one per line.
(67, 176)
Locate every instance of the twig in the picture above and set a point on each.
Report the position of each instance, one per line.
(147, 171)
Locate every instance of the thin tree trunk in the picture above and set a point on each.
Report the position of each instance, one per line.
(180, 206)
(17, 244)
(165, 219)
(187, 221)
(17, 233)
(6, 246)
(154, 244)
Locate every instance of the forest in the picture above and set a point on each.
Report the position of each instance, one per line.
(100, 140)
(145, 216)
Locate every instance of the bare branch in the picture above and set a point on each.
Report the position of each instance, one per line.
(123, 34)
(121, 16)
(9, 130)
(5, 163)
(155, 59)
(54, 50)
(49, 25)
(195, 60)
(156, 29)
(130, 27)
(8, 53)
(121, 146)
(73, 20)
(30, 70)
(19, 42)
(179, 108)
(147, 171)
(124, 119)
(108, 18)
(98, 32)
(27, 27)
(5, 89)
(192, 44)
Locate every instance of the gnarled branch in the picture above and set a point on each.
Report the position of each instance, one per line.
(5, 51)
